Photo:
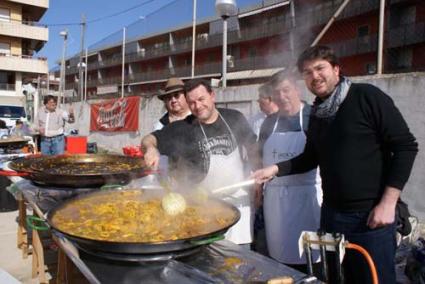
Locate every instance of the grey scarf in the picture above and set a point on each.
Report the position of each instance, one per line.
(329, 107)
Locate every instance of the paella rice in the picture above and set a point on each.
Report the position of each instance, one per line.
(132, 216)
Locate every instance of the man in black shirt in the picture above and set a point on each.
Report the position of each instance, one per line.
(365, 153)
(205, 149)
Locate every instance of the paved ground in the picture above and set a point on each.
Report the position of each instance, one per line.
(11, 257)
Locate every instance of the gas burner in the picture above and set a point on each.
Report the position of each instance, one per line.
(126, 257)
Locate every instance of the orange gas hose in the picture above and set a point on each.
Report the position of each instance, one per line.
(368, 259)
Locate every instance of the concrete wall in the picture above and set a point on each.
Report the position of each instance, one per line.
(407, 90)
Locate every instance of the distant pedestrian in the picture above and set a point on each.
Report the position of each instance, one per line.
(51, 122)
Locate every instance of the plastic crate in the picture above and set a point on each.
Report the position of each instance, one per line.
(76, 144)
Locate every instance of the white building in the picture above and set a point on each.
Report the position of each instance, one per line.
(20, 37)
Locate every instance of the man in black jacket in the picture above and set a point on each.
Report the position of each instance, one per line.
(365, 152)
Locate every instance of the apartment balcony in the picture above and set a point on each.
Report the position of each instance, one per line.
(36, 8)
(7, 87)
(24, 30)
(212, 69)
(401, 36)
(23, 63)
(355, 46)
(406, 35)
(37, 3)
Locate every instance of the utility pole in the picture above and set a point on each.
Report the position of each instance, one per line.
(80, 64)
(64, 34)
(193, 39)
(292, 30)
(85, 76)
(381, 37)
(123, 63)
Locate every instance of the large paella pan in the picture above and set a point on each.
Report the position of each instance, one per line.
(83, 170)
(133, 222)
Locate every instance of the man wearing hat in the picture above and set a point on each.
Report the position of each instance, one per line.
(174, 101)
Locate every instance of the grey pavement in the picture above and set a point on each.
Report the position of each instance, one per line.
(11, 257)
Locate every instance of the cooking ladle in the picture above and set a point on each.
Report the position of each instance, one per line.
(173, 203)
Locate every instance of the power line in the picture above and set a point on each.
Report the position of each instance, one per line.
(119, 13)
(101, 18)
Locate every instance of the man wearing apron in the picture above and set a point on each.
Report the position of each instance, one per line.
(291, 203)
(206, 147)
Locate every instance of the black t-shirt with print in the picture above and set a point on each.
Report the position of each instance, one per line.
(189, 148)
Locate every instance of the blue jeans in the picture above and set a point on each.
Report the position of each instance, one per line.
(380, 243)
(52, 145)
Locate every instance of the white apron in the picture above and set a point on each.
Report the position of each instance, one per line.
(291, 203)
(225, 170)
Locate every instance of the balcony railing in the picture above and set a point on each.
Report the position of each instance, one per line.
(406, 35)
(7, 87)
(23, 63)
(401, 36)
(37, 3)
(251, 63)
(355, 46)
(24, 29)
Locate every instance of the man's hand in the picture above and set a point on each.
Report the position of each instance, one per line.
(384, 213)
(152, 158)
(263, 175)
(151, 155)
(42, 131)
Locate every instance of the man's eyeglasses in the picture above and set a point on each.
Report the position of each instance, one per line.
(170, 96)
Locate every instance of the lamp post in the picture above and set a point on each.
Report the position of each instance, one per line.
(82, 68)
(225, 9)
(192, 73)
(64, 34)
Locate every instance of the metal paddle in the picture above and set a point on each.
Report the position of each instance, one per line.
(227, 188)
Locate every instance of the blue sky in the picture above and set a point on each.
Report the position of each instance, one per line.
(147, 16)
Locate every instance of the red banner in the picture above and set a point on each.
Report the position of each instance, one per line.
(115, 115)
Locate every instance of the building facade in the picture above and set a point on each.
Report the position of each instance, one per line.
(20, 38)
(261, 40)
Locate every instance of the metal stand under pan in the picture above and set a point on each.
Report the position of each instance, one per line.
(125, 257)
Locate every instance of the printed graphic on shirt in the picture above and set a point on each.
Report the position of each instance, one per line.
(218, 145)
(278, 156)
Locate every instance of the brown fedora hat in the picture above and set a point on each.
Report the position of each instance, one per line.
(173, 85)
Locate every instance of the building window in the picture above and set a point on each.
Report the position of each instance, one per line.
(252, 52)
(362, 31)
(187, 62)
(404, 58)
(4, 15)
(4, 48)
(371, 68)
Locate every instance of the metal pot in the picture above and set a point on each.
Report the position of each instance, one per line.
(86, 170)
(144, 247)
